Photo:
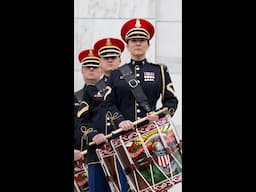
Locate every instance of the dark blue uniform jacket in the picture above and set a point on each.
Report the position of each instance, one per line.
(154, 80)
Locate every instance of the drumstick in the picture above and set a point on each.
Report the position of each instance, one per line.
(84, 152)
(164, 110)
(140, 121)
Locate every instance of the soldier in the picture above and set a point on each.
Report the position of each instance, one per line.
(90, 70)
(91, 73)
(136, 87)
(95, 120)
(109, 61)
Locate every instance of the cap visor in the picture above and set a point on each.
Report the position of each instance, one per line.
(91, 65)
(137, 37)
(110, 55)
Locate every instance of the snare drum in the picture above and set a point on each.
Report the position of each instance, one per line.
(151, 156)
(108, 162)
(81, 175)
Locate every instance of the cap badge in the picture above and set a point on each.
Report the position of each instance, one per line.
(90, 53)
(137, 24)
(108, 42)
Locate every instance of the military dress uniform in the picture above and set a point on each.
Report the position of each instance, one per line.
(89, 58)
(112, 47)
(94, 116)
(94, 119)
(78, 95)
(154, 79)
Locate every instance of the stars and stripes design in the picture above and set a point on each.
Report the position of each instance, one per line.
(162, 160)
(161, 154)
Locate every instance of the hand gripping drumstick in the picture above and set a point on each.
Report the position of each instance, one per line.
(84, 152)
(164, 110)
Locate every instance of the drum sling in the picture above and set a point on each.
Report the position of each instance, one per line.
(135, 87)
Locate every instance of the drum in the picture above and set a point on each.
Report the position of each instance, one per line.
(108, 162)
(81, 175)
(151, 156)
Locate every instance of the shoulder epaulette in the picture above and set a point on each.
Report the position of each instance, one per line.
(79, 94)
(160, 64)
(163, 67)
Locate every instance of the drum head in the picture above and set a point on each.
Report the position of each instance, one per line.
(150, 156)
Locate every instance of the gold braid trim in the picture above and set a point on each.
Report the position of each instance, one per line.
(94, 162)
(84, 136)
(169, 87)
(163, 81)
(171, 111)
(108, 91)
(112, 117)
(84, 109)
